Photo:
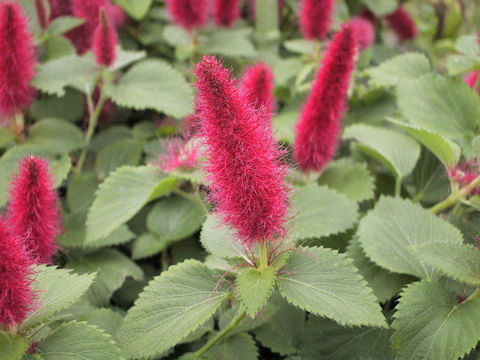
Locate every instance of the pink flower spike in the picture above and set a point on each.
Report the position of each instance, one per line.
(60, 8)
(402, 24)
(315, 18)
(189, 14)
(258, 82)
(16, 296)
(471, 80)
(364, 32)
(225, 12)
(33, 213)
(243, 169)
(17, 59)
(42, 14)
(179, 154)
(466, 173)
(118, 16)
(105, 41)
(319, 125)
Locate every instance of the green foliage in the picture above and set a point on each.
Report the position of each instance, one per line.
(236, 347)
(254, 287)
(56, 136)
(230, 43)
(13, 348)
(135, 8)
(219, 239)
(122, 152)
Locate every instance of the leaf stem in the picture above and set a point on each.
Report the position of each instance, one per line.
(263, 256)
(222, 334)
(475, 295)
(398, 186)
(455, 197)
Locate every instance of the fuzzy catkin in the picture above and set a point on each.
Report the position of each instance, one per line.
(225, 12)
(105, 41)
(189, 14)
(257, 80)
(402, 24)
(315, 18)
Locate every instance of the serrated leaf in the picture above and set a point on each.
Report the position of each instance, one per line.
(106, 319)
(137, 9)
(219, 240)
(348, 178)
(430, 325)
(112, 269)
(254, 287)
(236, 347)
(79, 341)
(153, 84)
(121, 196)
(12, 348)
(56, 47)
(394, 226)
(78, 72)
(230, 43)
(147, 245)
(56, 290)
(409, 66)
(458, 261)
(397, 151)
(318, 211)
(172, 306)
(325, 283)
(69, 107)
(126, 57)
(122, 152)
(442, 105)
(56, 136)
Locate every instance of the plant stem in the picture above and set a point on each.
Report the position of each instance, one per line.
(455, 197)
(398, 186)
(222, 334)
(263, 256)
(475, 295)
(267, 31)
(193, 198)
(18, 125)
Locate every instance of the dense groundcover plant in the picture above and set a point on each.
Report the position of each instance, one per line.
(239, 180)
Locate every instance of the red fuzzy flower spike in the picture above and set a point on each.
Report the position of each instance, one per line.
(188, 14)
(33, 213)
(16, 297)
(315, 18)
(225, 12)
(17, 59)
(402, 24)
(319, 125)
(466, 173)
(42, 14)
(244, 171)
(471, 80)
(258, 82)
(60, 8)
(364, 32)
(105, 41)
(179, 154)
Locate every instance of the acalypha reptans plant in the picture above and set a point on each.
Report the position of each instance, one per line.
(239, 179)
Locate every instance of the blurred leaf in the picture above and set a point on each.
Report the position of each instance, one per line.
(218, 239)
(147, 245)
(81, 191)
(63, 24)
(230, 43)
(125, 58)
(56, 136)
(300, 46)
(381, 7)
(69, 107)
(13, 348)
(137, 9)
(122, 152)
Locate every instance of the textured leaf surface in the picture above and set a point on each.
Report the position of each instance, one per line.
(394, 226)
(218, 239)
(55, 135)
(172, 306)
(12, 348)
(254, 287)
(325, 283)
(430, 325)
(147, 245)
(403, 67)
(236, 347)
(230, 43)
(122, 152)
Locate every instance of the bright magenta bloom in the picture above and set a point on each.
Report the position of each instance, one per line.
(258, 82)
(33, 212)
(244, 170)
(464, 174)
(471, 80)
(179, 154)
(319, 125)
(189, 14)
(402, 24)
(17, 59)
(60, 8)
(225, 12)
(16, 297)
(42, 16)
(315, 18)
(364, 32)
(105, 41)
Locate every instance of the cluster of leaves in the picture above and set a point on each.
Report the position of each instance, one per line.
(368, 269)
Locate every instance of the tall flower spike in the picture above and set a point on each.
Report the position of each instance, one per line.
(244, 171)
(471, 80)
(16, 296)
(319, 125)
(105, 41)
(33, 212)
(60, 8)
(225, 12)
(42, 13)
(258, 82)
(364, 32)
(189, 14)
(402, 24)
(17, 59)
(315, 18)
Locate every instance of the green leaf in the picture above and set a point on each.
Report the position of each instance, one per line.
(112, 269)
(394, 226)
(12, 348)
(409, 66)
(254, 287)
(63, 24)
(176, 36)
(442, 105)
(81, 191)
(430, 324)
(284, 125)
(79, 341)
(153, 84)
(112, 208)
(56, 290)
(172, 306)
(236, 347)
(468, 46)
(219, 240)
(397, 151)
(56, 47)
(109, 136)
(147, 245)
(458, 261)
(325, 283)
(6, 136)
(69, 107)
(54, 76)
(56, 136)
(381, 7)
(383, 283)
(175, 218)
(122, 152)
(318, 211)
(300, 46)
(445, 150)
(233, 43)
(348, 178)
(137, 9)
(126, 57)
